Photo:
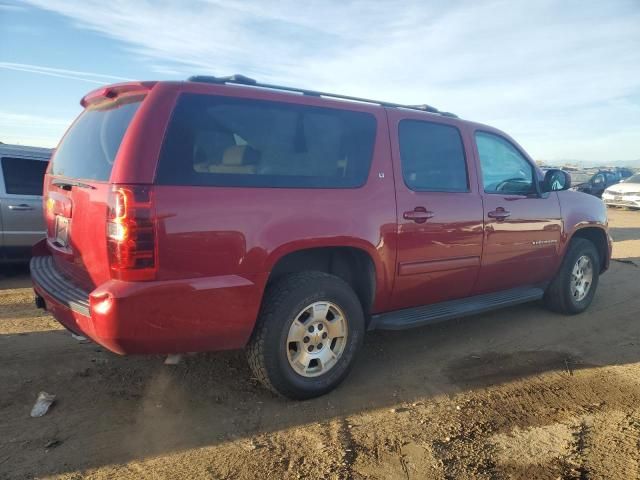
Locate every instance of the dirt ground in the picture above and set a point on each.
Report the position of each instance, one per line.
(519, 393)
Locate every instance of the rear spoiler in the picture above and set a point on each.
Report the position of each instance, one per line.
(112, 91)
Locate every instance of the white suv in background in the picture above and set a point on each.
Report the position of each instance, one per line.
(624, 194)
(21, 220)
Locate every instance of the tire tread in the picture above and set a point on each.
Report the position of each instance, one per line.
(555, 297)
(257, 350)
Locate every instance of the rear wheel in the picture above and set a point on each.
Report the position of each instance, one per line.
(307, 334)
(575, 284)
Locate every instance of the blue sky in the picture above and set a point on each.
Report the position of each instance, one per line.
(562, 77)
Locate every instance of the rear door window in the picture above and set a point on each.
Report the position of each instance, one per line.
(232, 142)
(89, 148)
(432, 157)
(23, 176)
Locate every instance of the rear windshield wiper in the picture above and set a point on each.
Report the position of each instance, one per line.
(67, 184)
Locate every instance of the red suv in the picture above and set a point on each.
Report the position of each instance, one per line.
(221, 213)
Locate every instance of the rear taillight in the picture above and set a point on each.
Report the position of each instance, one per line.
(131, 233)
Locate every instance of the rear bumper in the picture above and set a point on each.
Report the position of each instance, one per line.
(193, 315)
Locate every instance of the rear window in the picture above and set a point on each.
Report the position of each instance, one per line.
(89, 148)
(232, 142)
(23, 176)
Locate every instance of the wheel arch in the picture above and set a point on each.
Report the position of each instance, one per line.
(597, 235)
(356, 265)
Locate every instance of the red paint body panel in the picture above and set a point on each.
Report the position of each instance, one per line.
(523, 248)
(85, 259)
(167, 316)
(579, 211)
(444, 252)
(245, 231)
(194, 315)
(138, 154)
(433, 266)
(215, 247)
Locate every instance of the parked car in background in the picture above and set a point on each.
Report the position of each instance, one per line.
(220, 213)
(624, 172)
(22, 224)
(624, 194)
(593, 183)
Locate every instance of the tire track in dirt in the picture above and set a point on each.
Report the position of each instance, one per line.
(574, 467)
(465, 451)
(349, 448)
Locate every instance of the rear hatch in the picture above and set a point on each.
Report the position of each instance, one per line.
(77, 188)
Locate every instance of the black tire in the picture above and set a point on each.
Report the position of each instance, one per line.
(558, 297)
(283, 301)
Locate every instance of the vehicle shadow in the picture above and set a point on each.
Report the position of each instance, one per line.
(622, 233)
(14, 275)
(112, 410)
(19, 310)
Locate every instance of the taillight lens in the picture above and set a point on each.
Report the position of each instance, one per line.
(131, 233)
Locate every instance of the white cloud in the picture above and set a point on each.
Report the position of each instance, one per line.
(558, 75)
(89, 77)
(11, 8)
(35, 130)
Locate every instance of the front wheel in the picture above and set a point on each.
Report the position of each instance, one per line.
(575, 284)
(306, 337)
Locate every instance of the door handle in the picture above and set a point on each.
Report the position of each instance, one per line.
(418, 215)
(499, 214)
(21, 207)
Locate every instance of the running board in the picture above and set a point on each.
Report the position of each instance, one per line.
(438, 312)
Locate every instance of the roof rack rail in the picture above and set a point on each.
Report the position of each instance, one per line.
(243, 80)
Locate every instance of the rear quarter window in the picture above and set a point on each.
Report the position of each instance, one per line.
(23, 176)
(89, 148)
(232, 142)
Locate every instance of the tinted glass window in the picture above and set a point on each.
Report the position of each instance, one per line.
(432, 157)
(89, 148)
(504, 169)
(222, 141)
(22, 176)
(577, 178)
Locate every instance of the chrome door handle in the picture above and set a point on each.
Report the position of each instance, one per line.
(22, 206)
(418, 215)
(499, 213)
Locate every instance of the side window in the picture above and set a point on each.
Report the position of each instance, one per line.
(234, 142)
(23, 176)
(504, 169)
(432, 157)
(598, 179)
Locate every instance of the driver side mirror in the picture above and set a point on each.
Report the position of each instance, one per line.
(556, 180)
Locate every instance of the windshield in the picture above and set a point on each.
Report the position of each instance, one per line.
(633, 179)
(577, 177)
(89, 148)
